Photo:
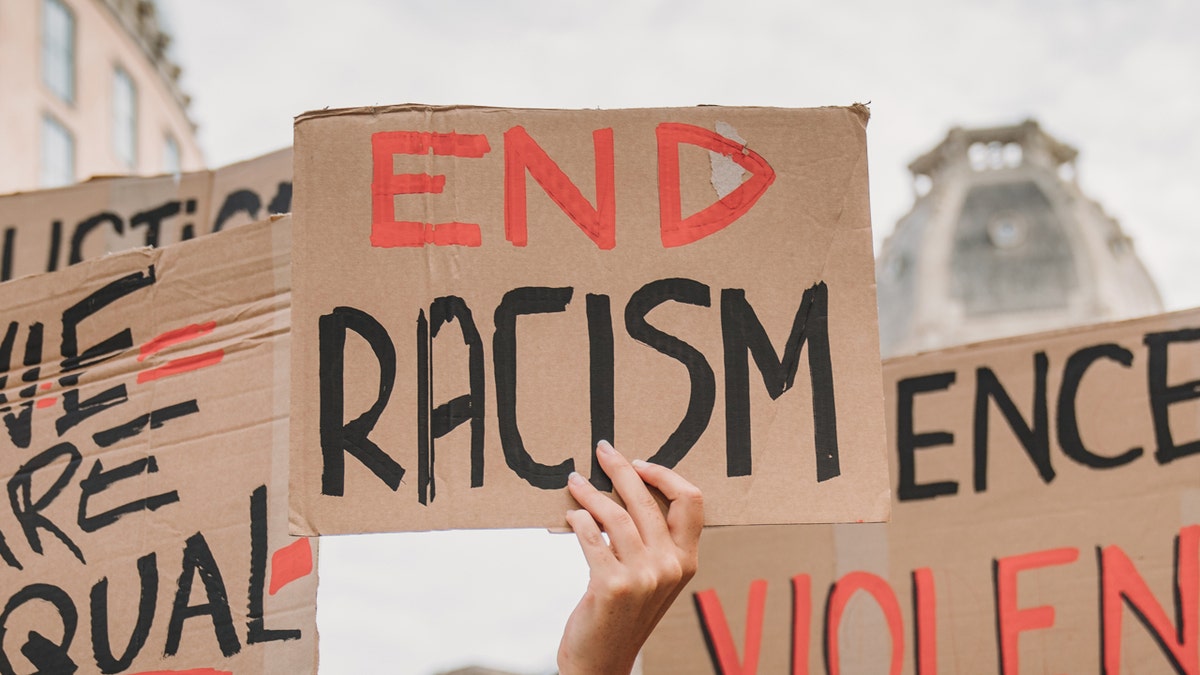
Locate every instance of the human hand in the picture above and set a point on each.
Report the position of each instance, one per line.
(636, 575)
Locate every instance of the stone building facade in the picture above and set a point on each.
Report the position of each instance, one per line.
(86, 89)
(1001, 241)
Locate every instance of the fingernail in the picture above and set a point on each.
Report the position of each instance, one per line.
(638, 463)
(575, 478)
(606, 448)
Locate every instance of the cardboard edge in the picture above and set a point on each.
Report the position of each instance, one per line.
(1173, 318)
(860, 110)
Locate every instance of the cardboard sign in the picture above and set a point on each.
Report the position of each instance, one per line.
(48, 230)
(482, 294)
(144, 455)
(1047, 521)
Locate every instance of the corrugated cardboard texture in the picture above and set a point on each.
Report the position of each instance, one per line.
(144, 454)
(48, 230)
(995, 552)
(599, 306)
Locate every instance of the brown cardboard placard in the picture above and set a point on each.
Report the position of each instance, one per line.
(145, 458)
(48, 230)
(1047, 519)
(248, 191)
(645, 269)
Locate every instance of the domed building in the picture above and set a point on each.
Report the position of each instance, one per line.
(1001, 241)
(86, 89)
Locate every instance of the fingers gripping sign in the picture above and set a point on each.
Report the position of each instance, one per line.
(635, 575)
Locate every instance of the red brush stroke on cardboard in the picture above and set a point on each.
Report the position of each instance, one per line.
(398, 234)
(183, 365)
(174, 337)
(679, 231)
(415, 183)
(386, 231)
(717, 628)
(290, 563)
(522, 154)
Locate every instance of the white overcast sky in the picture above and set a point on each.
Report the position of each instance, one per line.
(1120, 81)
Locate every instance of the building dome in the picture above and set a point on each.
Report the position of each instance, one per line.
(1000, 241)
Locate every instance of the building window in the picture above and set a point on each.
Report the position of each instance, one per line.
(171, 160)
(58, 49)
(58, 154)
(124, 118)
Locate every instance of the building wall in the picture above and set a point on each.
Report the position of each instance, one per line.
(102, 44)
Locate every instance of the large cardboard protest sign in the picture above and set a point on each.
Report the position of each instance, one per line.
(1047, 520)
(144, 453)
(50, 229)
(482, 294)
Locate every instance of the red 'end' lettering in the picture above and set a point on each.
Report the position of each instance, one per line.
(1119, 580)
(386, 231)
(1011, 620)
(522, 153)
(801, 622)
(840, 595)
(290, 563)
(677, 230)
(183, 365)
(174, 337)
(720, 640)
(925, 624)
